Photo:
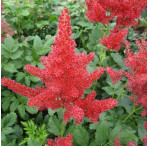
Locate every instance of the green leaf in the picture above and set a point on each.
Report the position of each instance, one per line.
(10, 68)
(81, 136)
(23, 12)
(21, 109)
(27, 81)
(18, 130)
(33, 142)
(14, 106)
(55, 125)
(34, 79)
(126, 136)
(9, 120)
(118, 59)
(85, 24)
(8, 130)
(20, 76)
(31, 110)
(141, 129)
(109, 90)
(16, 54)
(114, 133)
(101, 134)
(37, 44)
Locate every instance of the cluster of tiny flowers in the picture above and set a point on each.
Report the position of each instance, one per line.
(67, 141)
(65, 78)
(117, 142)
(114, 75)
(126, 11)
(137, 79)
(5, 29)
(114, 40)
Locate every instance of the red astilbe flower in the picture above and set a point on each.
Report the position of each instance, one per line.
(137, 79)
(89, 107)
(67, 141)
(65, 78)
(117, 142)
(126, 11)
(114, 40)
(114, 75)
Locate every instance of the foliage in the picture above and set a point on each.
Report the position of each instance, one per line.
(34, 23)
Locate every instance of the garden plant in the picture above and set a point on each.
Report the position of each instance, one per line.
(74, 73)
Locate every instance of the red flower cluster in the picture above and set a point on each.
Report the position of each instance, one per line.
(126, 11)
(131, 143)
(117, 142)
(67, 141)
(114, 40)
(137, 79)
(114, 75)
(5, 29)
(88, 107)
(65, 77)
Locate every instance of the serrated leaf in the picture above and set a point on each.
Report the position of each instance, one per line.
(8, 130)
(126, 136)
(109, 90)
(14, 106)
(20, 76)
(81, 136)
(21, 109)
(55, 126)
(33, 142)
(37, 44)
(118, 59)
(18, 130)
(31, 110)
(10, 68)
(16, 54)
(101, 134)
(27, 81)
(9, 120)
(114, 133)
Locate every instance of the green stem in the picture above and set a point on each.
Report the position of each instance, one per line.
(63, 127)
(131, 113)
(108, 143)
(122, 90)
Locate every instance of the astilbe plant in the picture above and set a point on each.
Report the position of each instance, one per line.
(65, 77)
(5, 28)
(137, 79)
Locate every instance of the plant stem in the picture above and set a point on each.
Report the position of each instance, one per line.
(131, 113)
(108, 143)
(63, 127)
(122, 90)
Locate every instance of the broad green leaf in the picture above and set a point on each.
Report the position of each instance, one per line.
(85, 24)
(55, 126)
(9, 120)
(31, 110)
(141, 129)
(37, 44)
(27, 81)
(33, 142)
(16, 54)
(18, 130)
(101, 134)
(8, 130)
(115, 132)
(109, 90)
(21, 109)
(126, 136)
(10, 68)
(34, 79)
(23, 12)
(14, 106)
(20, 76)
(81, 136)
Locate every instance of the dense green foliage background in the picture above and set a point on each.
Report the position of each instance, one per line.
(37, 21)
